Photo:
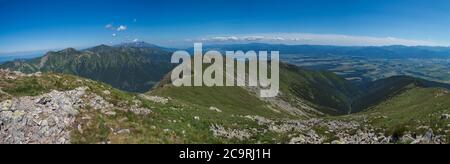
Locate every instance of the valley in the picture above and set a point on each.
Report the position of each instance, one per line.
(360, 70)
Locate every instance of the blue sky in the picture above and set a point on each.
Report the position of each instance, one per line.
(28, 25)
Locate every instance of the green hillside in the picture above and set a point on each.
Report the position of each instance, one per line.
(330, 93)
(384, 89)
(202, 115)
(134, 69)
(414, 111)
(106, 115)
(297, 86)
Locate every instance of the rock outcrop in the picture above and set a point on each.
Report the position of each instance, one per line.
(47, 118)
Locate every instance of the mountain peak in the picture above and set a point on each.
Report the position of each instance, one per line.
(101, 47)
(68, 50)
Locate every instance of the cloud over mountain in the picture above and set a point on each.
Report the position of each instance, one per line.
(317, 39)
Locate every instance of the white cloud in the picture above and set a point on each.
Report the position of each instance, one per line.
(233, 38)
(122, 28)
(114, 35)
(318, 39)
(109, 26)
(135, 40)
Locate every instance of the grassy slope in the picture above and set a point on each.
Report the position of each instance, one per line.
(231, 100)
(410, 110)
(174, 122)
(295, 83)
(330, 93)
(168, 123)
(384, 89)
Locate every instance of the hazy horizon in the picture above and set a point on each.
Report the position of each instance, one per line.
(43, 51)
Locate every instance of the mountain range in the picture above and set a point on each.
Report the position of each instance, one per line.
(132, 67)
(375, 52)
(312, 107)
(139, 66)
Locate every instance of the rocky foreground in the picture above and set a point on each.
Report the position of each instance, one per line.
(323, 131)
(51, 117)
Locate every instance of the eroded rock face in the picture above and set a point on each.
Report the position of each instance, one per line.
(50, 118)
(41, 119)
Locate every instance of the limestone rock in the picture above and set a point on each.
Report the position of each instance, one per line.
(215, 109)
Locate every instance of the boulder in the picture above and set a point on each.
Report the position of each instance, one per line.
(445, 116)
(6, 105)
(215, 109)
(124, 131)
